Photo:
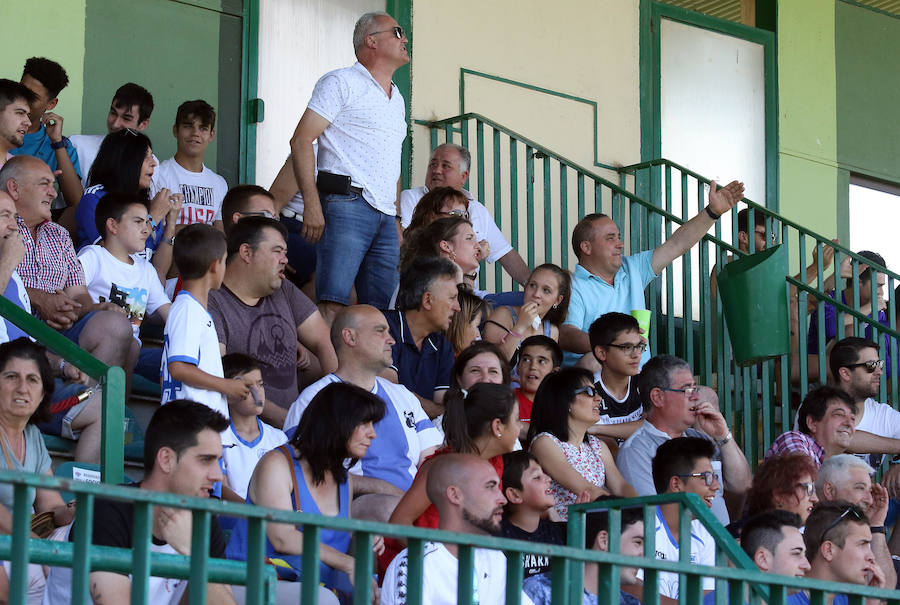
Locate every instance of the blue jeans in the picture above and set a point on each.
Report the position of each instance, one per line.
(359, 247)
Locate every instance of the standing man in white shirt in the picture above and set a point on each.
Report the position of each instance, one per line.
(359, 118)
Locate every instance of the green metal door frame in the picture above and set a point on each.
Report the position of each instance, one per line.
(651, 14)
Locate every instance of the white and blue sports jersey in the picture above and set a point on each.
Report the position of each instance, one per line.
(402, 435)
(239, 457)
(703, 552)
(15, 292)
(191, 338)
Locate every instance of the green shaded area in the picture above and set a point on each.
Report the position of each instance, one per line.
(867, 44)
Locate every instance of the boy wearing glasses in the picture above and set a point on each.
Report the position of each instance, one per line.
(684, 465)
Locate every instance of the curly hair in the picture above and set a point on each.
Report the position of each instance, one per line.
(776, 476)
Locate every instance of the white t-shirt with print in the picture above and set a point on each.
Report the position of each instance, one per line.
(703, 552)
(203, 192)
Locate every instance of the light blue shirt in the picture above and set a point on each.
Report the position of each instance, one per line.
(592, 296)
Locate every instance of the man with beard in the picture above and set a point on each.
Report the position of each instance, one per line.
(466, 491)
(15, 100)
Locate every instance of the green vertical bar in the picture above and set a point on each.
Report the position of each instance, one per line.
(23, 496)
(479, 143)
(562, 586)
(514, 197)
(563, 215)
(498, 203)
(548, 211)
(310, 566)
(81, 555)
(598, 198)
(579, 184)
(199, 557)
(112, 446)
(142, 538)
(706, 322)
(684, 554)
(363, 567)
(609, 574)
(892, 322)
(448, 133)
(670, 300)
(414, 571)
(465, 578)
(514, 579)
(529, 202)
(575, 530)
(651, 576)
(249, 81)
(256, 559)
(464, 138)
(434, 137)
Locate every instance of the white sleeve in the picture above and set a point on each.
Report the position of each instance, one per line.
(90, 262)
(182, 334)
(428, 435)
(329, 96)
(408, 201)
(484, 222)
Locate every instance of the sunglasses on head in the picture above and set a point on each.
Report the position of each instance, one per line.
(850, 510)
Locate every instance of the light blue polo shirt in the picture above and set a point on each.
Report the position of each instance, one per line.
(593, 296)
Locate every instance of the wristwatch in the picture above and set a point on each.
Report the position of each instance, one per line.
(169, 240)
(878, 529)
(60, 143)
(728, 437)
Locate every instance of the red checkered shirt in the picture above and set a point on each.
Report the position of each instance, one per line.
(50, 262)
(795, 441)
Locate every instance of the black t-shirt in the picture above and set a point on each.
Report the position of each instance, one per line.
(615, 411)
(547, 532)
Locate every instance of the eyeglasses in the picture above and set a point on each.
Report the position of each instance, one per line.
(688, 391)
(809, 487)
(871, 365)
(708, 477)
(398, 32)
(588, 390)
(460, 213)
(264, 213)
(851, 510)
(629, 348)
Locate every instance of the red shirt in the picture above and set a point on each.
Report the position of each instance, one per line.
(524, 406)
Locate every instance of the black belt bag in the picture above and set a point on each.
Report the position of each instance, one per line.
(328, 182)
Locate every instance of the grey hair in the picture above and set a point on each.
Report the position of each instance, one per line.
(14, 169)
(835, 470)
(362, 27)
(658, 373)
(465, 158)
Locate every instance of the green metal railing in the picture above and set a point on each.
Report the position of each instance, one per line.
(111, 379)
(536, 197)
(567, 562)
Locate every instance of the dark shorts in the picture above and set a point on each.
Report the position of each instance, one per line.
(74, 333)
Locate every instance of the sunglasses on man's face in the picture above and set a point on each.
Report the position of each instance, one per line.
(398, 32)
(870, 366)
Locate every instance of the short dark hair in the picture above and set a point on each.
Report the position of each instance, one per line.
(743, 219)
(11, 90)
(550, 412)
(608, 326)
(119, 162)
(469, 413)
(876, 258)
(237, 197)
(584, 230)
(419, 276)
(557, 314)
(545, 342)
(131, 94)
(657, 373)
(238, 364)
(49, 73)
(176, 425)
(25, 348)
(678, 457)
(250, 231)
(328, 422)
(113, 205)
(845, 352)
(197, 247)
(514, 464)
(815, 404)
(198, 109)
(839, 512)
(472, 351)
(598, 521)
(764, 530)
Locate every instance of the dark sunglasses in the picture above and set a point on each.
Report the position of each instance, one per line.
(870, 366)
(851, 510)
(398, 32)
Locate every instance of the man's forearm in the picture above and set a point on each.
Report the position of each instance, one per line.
(737, 476)
(69, 183)
(681, 241)
(303, 159)
(574, 340)
(868, 443)
(884, 560)
(515, 265)
(371, 485)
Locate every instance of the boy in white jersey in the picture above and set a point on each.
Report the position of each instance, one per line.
(247, 438)
(192, 362)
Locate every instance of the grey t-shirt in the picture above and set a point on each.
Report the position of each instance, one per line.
(266, 331)
(37, 460)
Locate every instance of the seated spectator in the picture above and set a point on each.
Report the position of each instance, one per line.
(26, 385)
(606, 281)
(45, 140)
(245, 200)
(783, 482)
(259, 313)
(465, 328)
(528, 500)
(125, 165)
(538, 356)
(617, 344)
(544, 309)
(838, 546)
(15, 101)
(308, 474)
(131, 107)
(676, 407)
(406, 436)
(684, 465)
(247, 439)
(185, 172)
(481, 362)
(847, 478)
(181, 457)
(113, 271)
(466, 492)
(451, 238)
(565, 406)
(826, 421)
(53, 276)
(772, 539)
(631, 543)
(449, 167)
(423, 357)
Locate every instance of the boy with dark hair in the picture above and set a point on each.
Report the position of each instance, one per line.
(684, 464)
(617, 344)
(203, 189)
(247, 438)
(539, 355)
(131, 107)
(15, 101)
(45, 140)
(528, 499)
(114, 272)
(246, 200)
(192, 362)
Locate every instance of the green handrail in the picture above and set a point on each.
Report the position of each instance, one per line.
(111, 379)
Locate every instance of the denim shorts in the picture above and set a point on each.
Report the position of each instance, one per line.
(359, 247)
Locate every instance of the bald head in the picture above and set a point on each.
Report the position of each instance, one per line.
(465, 489)
(361, 337)
(31, 184)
